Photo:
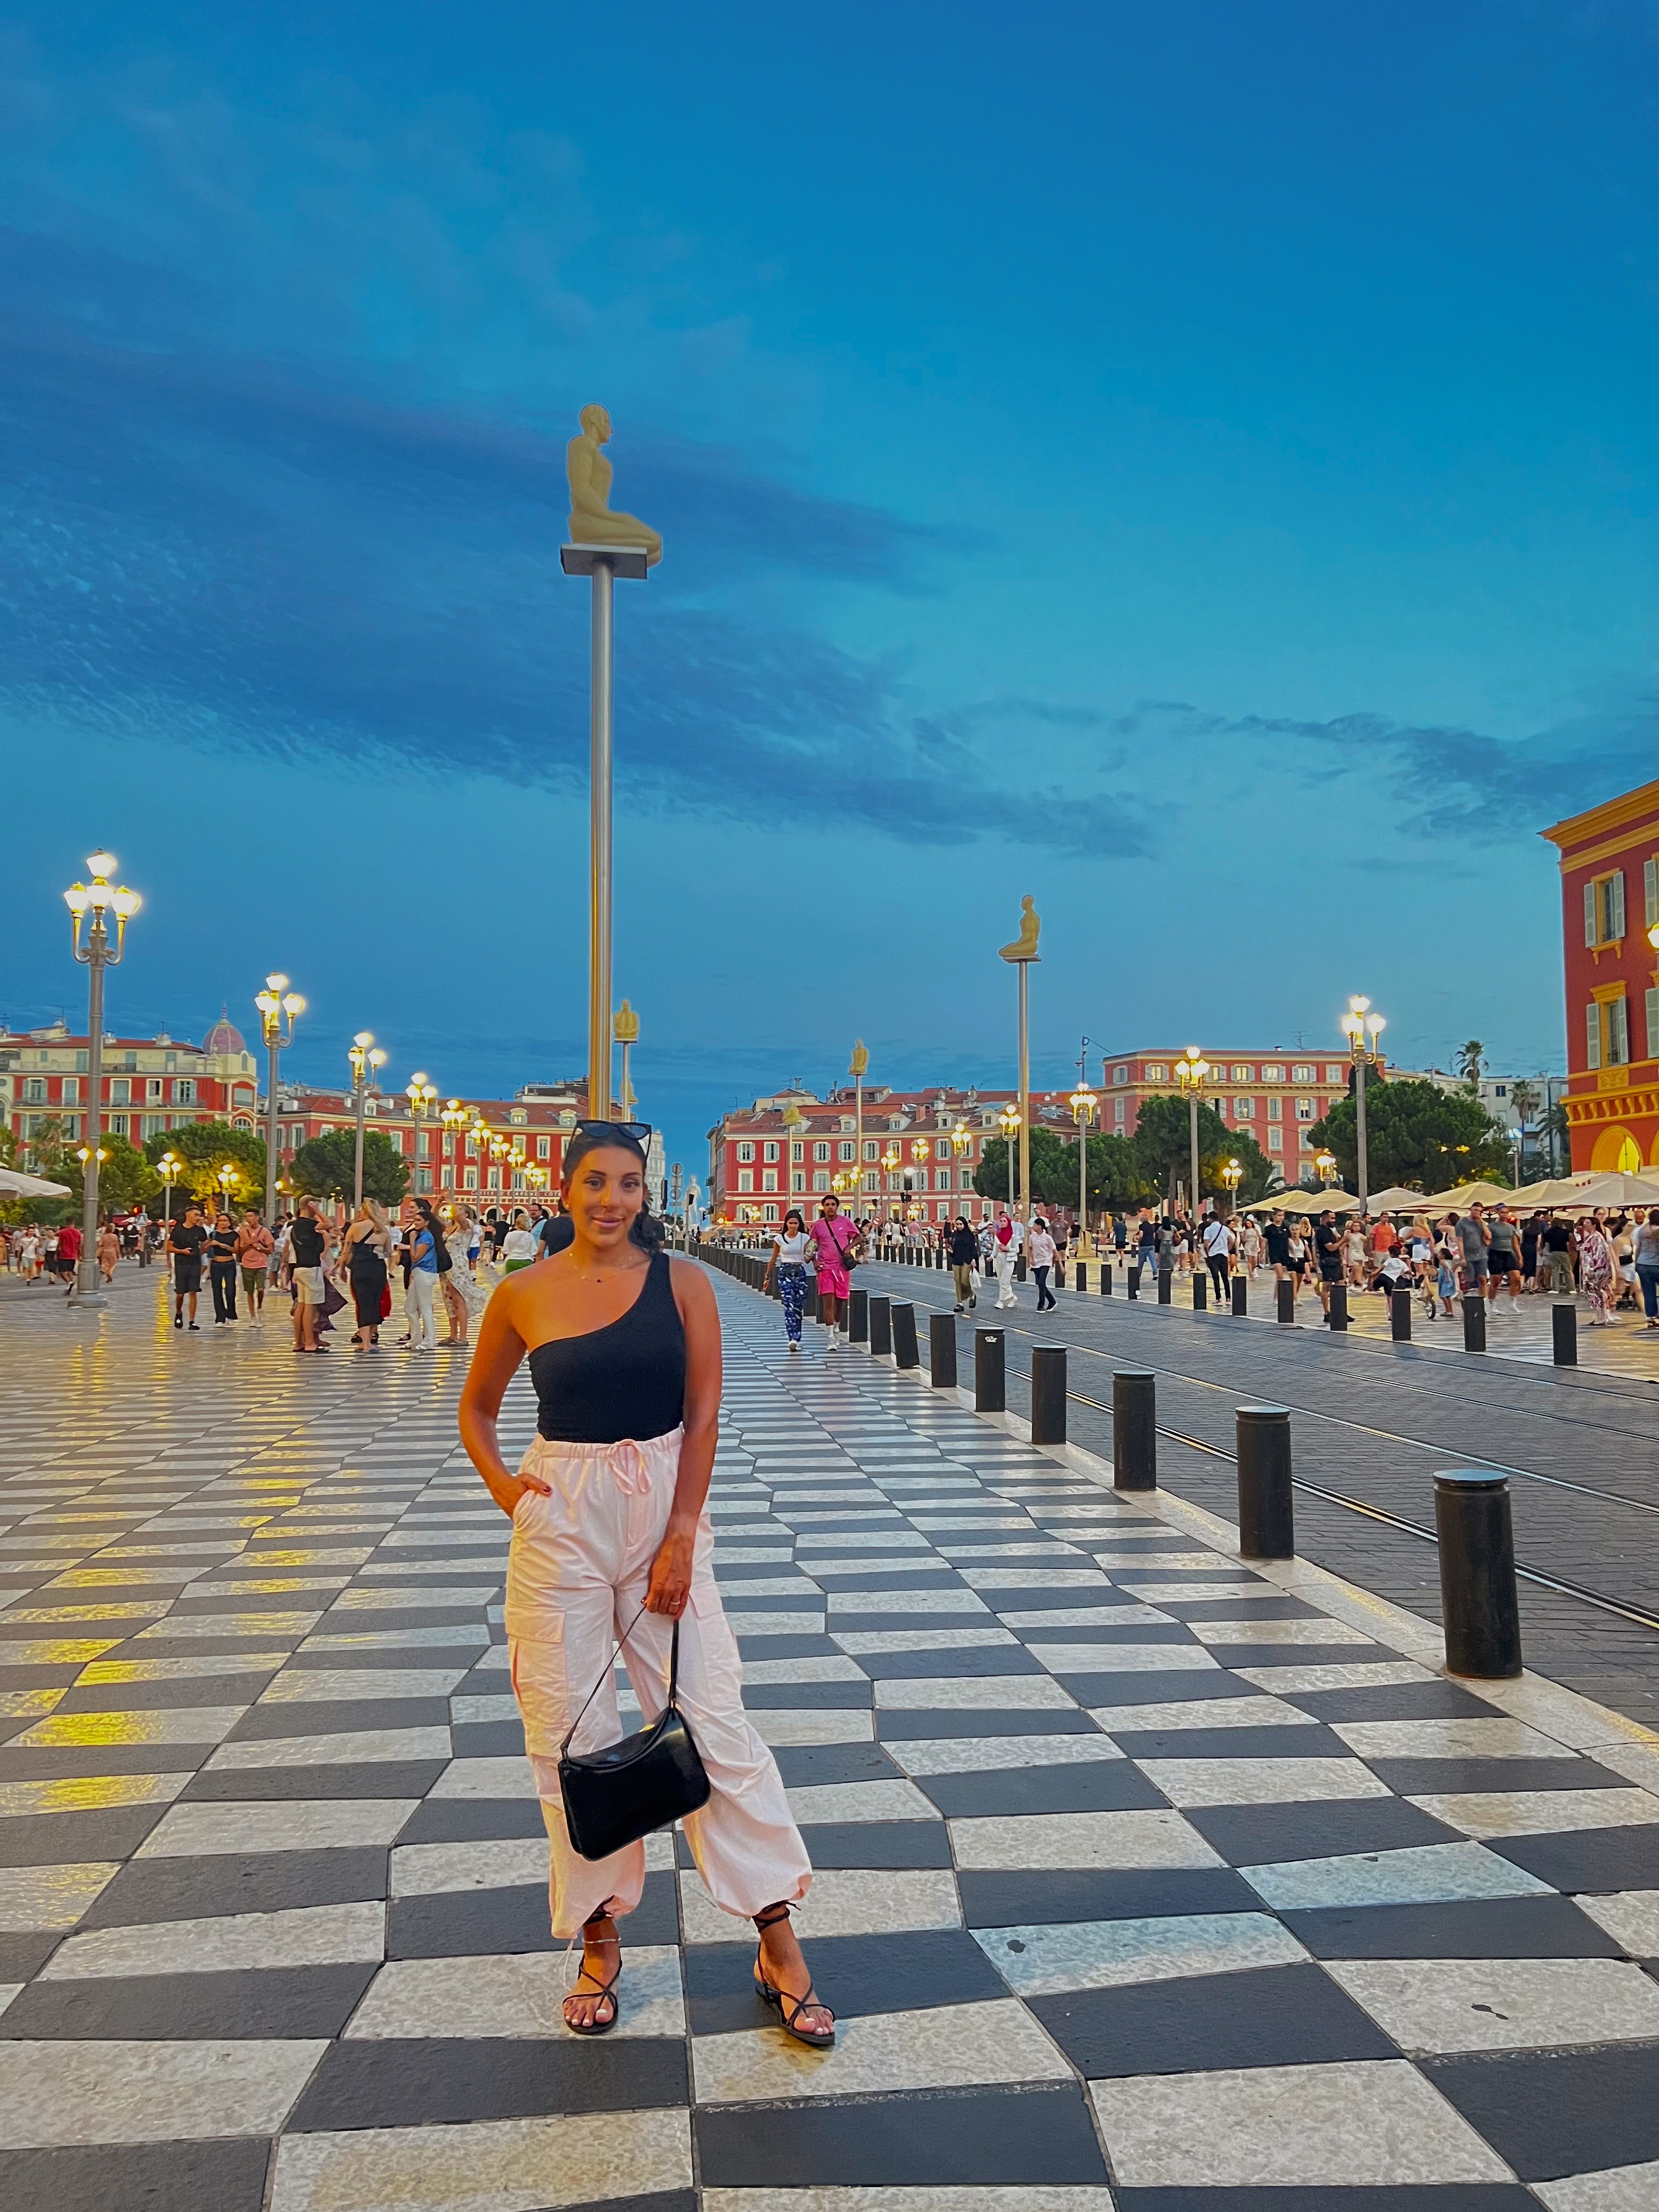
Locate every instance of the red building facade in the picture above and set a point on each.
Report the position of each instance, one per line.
(151, 1085)
(519, 1159)
(1609, 901)
(1274, 1097)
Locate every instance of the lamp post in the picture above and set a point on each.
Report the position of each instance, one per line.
(273, 1002)
(1021, 954)
(857, 1067)
(98, 900)
(169, 1167)
(1358, 1025)
(1083, 1103)
(1325, 1167)
(1190, 1072)
(1232, 1175)
(892, 1159)
(422, 1097)
(1009, 1122)
(625, 1027)
(364, 1053)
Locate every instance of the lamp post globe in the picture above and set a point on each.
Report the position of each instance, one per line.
(1190, 1071)
(276, 1005)
(1362, 1025)
(95, 948)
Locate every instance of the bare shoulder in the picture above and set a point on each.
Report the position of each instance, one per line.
(693, 1291)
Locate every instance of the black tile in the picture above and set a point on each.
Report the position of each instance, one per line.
(338, 1717)
(1094, 1786)
(889, 1844)
(1262, 1835)
(1243, 1653)
(1478, 1927)
(502, 1738)
(440, 2081)
(227, 2176)
(23, 1954)
(862, 1624)
(1179, 1687)
(1263, 2016)
(472, 1820)
(1285, 1742)
(1433, 2196)
(478, 1923)
(166, 1697)
(365, 1658)
(933, 1666)
(981, 2138)
(854, 1975)
(1267, 1607)
(1045, 1898)
(47, 1677)
(805, 1764)
(938, 1576)
(1045, 1599)
(64, 1839)
(1393, 1701)
(222, 1882)
(1550, 2113)
(771, 1697)
(896, 1724)
(266, 2001)
(1428, 1777)
(666, 2200)
(1587, 1860)
(755, 1648)
(373, 1778)
(66, 1763)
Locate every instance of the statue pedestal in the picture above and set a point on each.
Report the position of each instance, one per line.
(622, 560)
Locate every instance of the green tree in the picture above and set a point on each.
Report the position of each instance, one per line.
(125, 1177)
(1162, 1145)
(1471, 1062)
(205, 1147)
(325, 1167)
(1054, 1168)
(1416, 1133)
(1558, 1138)
(47, 1146)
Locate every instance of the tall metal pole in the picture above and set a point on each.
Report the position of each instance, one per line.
(359, 1085)
(1082, 1181)
(1360, 1124)
(86, 1281)
(1192, 1130)
(1024, 1095)
(273, 1047)
(598, 923)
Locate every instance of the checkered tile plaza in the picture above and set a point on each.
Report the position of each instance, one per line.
(1145, 1879)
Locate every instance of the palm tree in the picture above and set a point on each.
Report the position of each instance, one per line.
(1524, 1098)
(1470, 1062)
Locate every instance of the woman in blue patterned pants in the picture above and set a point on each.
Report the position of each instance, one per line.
(789, 1264)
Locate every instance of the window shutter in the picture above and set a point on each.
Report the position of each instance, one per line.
(1593, 1035)
(1616, 888)
(1617, 1032)
(1650, 890)
(1590, 914)
(1653, 1025)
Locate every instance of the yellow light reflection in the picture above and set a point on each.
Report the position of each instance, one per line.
(55, 1651)
(90, 1793)
(24, 1705)
(148, 1611)
(103, 1673)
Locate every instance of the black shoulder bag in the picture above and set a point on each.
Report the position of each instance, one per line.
(631, 1789)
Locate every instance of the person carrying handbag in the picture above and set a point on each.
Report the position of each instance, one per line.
(835, 1239)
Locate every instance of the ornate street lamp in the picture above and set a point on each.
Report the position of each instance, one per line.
(1190, 1072)
(1232, 1175)
(90, 905)
(1358, 1025)
(364, 1055)
(1008, 1122)
(275, 1002)
(1325, 1167)
(1083, 1104)
(169, 1167)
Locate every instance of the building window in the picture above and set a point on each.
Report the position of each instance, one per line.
(423, 1178)
(518, 1117)
(848, 1122)
(1156, 1071)
(1653, 1025)
(1272, 1075)
(1242, 1109)
(746, 1150)
(820, 1150)
(768, 1178)
(821, 1180)
(771, 1212)
(118, 1124)
(871, 1149)
(1275, 1137)
(544, 1146)
(1119, 1109)
(797, 1180)
(1650, 890)
(469, 1178)
(1604, 909)
(1332, 1075)
(1275, 1110)
(121, 1090)
(184, 1093)
(844, 1151)
(71, 1091)
(1607, 1028)
(423, 1147)
(1242, 1073)
(771, 1152)
(942, 1180)
(745, 1178)
(1120, 1075)
(34, 1089)
(1500, 1091)
(1304, 1109)
(1302, 1072)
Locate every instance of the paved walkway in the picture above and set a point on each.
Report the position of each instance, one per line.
(1144, 1880)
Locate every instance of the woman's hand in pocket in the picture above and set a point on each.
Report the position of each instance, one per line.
(527, 1485)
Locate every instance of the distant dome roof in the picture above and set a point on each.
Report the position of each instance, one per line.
(224, 1036)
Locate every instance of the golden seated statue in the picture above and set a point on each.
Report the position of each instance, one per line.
(592, 522)
(1025, 946)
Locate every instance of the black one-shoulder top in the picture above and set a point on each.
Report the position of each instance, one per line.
(626, 1379)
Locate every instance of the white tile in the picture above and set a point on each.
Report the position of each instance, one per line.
(89, 1793)
(110, 1674)
(1197, 1782)
(1630, 1918)
(858, 1641)
(312, 1685)
(1086, 1616)
(1047, 1577)
(495, 1705)
(1123, 1658)
(491, 2166)
(861, 1800)
(1291, 1682)
(1198, 1713)
(1461, 1738)
(978, 1755)
(850, 1602)
(468, 1997)
(1109, 1955)
(842, 1901)
(1433, 2005)
(29, 1704)
(758, 1671)
(309, 1936)
(254, 1627)
(485, 1777)
(62, 2093)
(993, 2041)
(428, 1869)
(97, 1731)
(781, 1725)
(1093, 1840)
(339, 1748)
(963, 1692)
(774, 1624)
(49, 1897)
(1617, 2189)
(1280, 1631)
(1353, 2124)
(275, 1825)
(1540, 1812)
(1424, 1874)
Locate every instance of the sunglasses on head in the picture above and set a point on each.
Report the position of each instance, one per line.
(637, 1133)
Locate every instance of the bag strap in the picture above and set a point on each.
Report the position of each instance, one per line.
(673, 1675)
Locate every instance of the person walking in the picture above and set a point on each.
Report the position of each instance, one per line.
(107, 1251)
(611, 1543)
(1598, 1279)
(1473, 1238)
(184, 1244)
(67, 1256)
(253, 1246)
(1043, 1250)
(1007, 1235)
(1503, 1258)
(964, 1264)
(308, 1243)
(364, 1248)
(787, 1264)
(1217, 1255)
(835, 1247)
(464, 1295)
(421, 1289)
(1328, 1254)
(1645, 1247)
(221, 1267)
(1555, 1255)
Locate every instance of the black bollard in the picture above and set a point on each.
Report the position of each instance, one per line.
(1020, 1268)
(881, 1325)
(1135, 1281)
(1241, 1297)
(1266, 1520)
(1082, 1267)
(1048, 1394)
(1284, 1289)
(1563, 1335)
(1106, 1279)
(1134, 1431)
(1337, 1312)
(858, 1319)
(990, 1391)
(942, 1350)
(1474, 1323)
(1400, 1316)
(1479, 1603)
(905, 1351)
(1200, 1293)
(1166, 1284)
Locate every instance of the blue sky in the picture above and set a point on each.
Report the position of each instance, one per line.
(1196, 465)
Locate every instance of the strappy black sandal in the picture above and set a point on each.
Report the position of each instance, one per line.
(605, 1991)
(789, 2010)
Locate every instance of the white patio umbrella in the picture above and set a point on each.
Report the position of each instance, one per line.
(14, 1183)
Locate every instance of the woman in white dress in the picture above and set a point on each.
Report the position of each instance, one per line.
(464, 1294)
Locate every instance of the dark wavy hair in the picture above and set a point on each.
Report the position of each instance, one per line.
(645, 1230)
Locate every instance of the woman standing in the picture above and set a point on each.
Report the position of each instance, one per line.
(964, 1264)
(518, 1247)
(1042, 1259)
(366, 1244)
(421, 1285)
(253, 1248)
(611, 1541)
(1598, 1278)
(221, 1267)
(109, 1251)
(789, 1264)
(834, 1238)
(463, 1294)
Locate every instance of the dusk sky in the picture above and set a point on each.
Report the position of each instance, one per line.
(1194, 463)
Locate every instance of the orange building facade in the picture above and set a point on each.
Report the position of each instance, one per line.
(1609, 903)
